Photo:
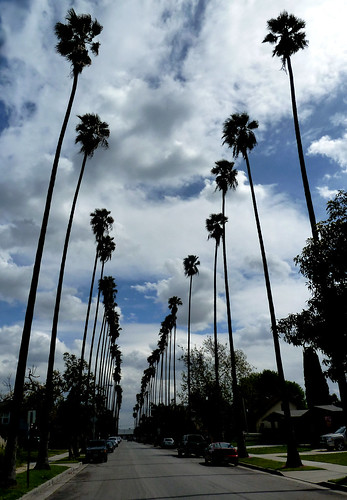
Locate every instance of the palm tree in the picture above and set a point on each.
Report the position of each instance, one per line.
(214, 226)
(92, 133)
(174, 302)
(286, 33)
(190, 265)
(75, 38)
(239, 136)
(225, 180)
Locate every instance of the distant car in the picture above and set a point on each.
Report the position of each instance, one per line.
(191, 444)
(96, 451)
(117, 439)
(168, 443)
(221, 453)
(337, 440)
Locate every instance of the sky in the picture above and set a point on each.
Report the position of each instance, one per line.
(168, 74)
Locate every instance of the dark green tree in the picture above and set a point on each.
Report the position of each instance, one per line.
(323, 324)
(75, 38)
(190, 265)
(239, 136)
(316, 386)
(287, 35)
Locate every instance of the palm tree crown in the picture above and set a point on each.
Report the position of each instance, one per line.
(238, 134)
(75, 37)
(225, 175)
(190, 265)
(287, 35)
(92, 133)
(214, 226)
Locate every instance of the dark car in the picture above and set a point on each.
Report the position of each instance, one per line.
(192, 444)
(96, 451)
(221, 453)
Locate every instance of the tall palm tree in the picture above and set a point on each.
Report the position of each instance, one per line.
(74, 39)
(288, 37)
(225, 180)
(214, 226)
(239, 136)
(190, 265)
(174, 302)
(92, 133)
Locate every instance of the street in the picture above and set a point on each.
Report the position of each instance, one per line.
(136, 471)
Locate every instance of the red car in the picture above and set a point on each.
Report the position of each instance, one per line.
(221, 453)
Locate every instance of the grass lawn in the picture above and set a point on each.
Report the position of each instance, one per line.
(262, 450)
(272, 464)
(36, 478)
(332, 458)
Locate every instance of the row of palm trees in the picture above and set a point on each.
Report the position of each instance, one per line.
(158, 383)
(76, 40)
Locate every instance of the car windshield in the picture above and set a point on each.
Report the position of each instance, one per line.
(341, 430)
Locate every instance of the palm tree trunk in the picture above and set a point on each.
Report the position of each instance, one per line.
(84, 341)
(241, 445)
(301, 154)
(293, 458)
(216, 360)
(42, 459)
(188, 354)
(174, 364)
(11, 446)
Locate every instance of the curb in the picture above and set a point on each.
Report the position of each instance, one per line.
(333, 486)
(262, 469)
(58, 480)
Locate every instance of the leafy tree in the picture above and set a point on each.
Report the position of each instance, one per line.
(92, 133)
(75, 38)
(190, 265)
(261, 390)
(323, 324)
(287, 35)
(238, 134)
(205, 399)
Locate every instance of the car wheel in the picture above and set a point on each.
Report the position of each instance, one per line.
(339, 445)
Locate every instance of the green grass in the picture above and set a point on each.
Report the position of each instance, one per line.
(332, 458)
(260, 450)
(272, 464)
(36, 478)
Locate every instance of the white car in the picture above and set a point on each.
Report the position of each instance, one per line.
(168, 443)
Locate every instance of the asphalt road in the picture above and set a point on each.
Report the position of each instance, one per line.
(136, 471)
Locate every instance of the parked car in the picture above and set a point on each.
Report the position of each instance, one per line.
(110, 445)
(221, 453)
(192, 444)
(114, 441)
(168, 443)
(96, 451)
(337, 440)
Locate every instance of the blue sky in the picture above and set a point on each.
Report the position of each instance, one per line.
(167, 76)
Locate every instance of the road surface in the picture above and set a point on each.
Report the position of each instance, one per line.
(137, 472)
